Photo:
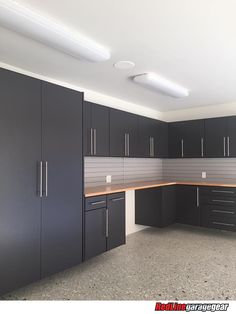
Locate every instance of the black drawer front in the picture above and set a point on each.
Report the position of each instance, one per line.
(95, 202)
(221, 223)
(116, 197)
(218, 200)
(219, 211)
(218, 191)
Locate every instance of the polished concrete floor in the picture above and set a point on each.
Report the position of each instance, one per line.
(175, 263)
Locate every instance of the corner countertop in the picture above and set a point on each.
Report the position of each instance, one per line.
(116, 188)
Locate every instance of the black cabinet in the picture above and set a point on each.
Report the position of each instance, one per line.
(153, 138)
(95, 232)
(216, 137)
(115, 220)
(188, 205)
(123, 134)
(231, 136)
(20, 212)
(155, 207)
(95, 129)
(104, 223)
(41, 182)
(186, 139)
(61, 237)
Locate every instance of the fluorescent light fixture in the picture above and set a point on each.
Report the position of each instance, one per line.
(161, 84)
(25, 21)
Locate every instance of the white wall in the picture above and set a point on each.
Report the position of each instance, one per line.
(131, 227)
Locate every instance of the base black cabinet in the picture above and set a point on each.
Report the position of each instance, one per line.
(104, 225)
(41, 183)
(188, 205)
(96, 131)
(155, 207)
(115, 220)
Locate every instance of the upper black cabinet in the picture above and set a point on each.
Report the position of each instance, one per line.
(153, 138)
(216, 137)
(95, 129)
(123, 134)
(186, 139)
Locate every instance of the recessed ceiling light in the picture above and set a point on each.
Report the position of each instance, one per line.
(29, 23)
(124, 65)
(161, 84)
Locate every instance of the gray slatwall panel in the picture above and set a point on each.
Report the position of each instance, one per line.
(121, 169)
(219, 170)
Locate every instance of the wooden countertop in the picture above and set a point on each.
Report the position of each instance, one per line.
(116, 188)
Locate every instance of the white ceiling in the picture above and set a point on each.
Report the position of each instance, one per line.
(191, 42)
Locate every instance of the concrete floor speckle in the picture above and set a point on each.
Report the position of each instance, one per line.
(174, 263)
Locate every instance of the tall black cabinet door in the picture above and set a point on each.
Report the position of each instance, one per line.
(20, 212)
(216, 137)
(231, 137)
(144, 135)
(175, 139)
(62, 202)
(161, 140)
(87, 129)
(101, 132)
(116, 220)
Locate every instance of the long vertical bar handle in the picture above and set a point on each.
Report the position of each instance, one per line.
(46, 179)
(91, 141)
(125, 144)
(40, 179)
(153, 147)
(95, 141)
(182, 148)
(228, 145)
(224, 146)
(128, 143)
(197, 196)
(202, 147)
(107, 222)
(150, 146)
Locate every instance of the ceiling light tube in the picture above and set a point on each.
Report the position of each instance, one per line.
(161, 84)
(25, 21)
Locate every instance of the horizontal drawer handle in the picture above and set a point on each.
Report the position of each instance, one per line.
(118, 199)
(222, 211)
(223, 201)
(218, 191)
(98, 202)
(223, 224)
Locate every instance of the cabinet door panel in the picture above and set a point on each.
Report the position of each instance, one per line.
(100, 124)
(193, 136)
(175, 137)
(215, 137)
(95, 232)
(62, 149)
(187, 210)
(87, 129)
(20, 213)
(231, 139)
(116, 220)
(161, 140)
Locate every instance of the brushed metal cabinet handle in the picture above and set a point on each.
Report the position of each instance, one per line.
(107, 222)
(91, 141)
(182, 148)
(95, 141)
(98, 202)
(46, 179)
(150, 146)
(222, 211)
(197, 197)
(202, 147)
(40, 179)
(117, 199)
(228, 145)
(220, 191)
(128, 144)
(223, 201)
(153, 147)
(223, 224)
(224, 146)
(125, 144)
